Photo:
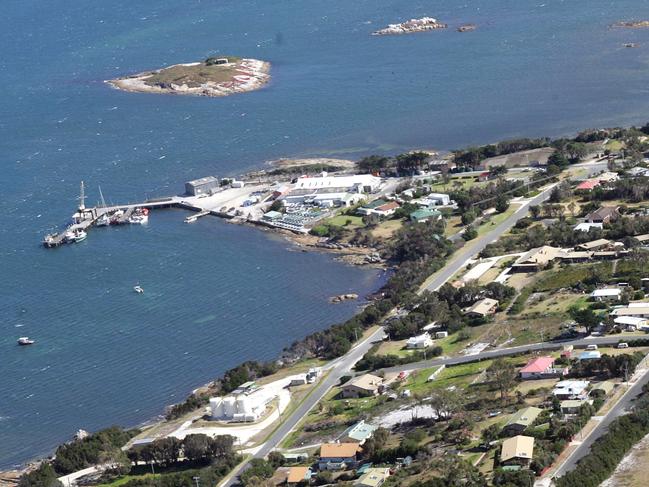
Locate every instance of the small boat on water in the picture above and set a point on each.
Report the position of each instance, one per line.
(138, 289)
(75, 236)
(22, 341)
(140, 216)
(103, 220)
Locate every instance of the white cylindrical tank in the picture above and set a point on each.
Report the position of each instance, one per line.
(216, 406)
(229, 407)
(242, 404)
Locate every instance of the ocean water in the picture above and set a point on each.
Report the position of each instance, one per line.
(218, 294)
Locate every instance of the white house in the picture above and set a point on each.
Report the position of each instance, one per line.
(420, 341)
(434, 199)
(571, 389)
(606, 294)
(585, 227)
(631, 323)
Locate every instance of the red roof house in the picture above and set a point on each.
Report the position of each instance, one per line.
(588, 184)
(540, 368)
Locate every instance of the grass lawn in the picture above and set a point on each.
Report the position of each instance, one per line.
(554, 303)
(396, 347)
(194, 75)
(614, 145)
(341, 221)
(387, 228)
(126, 478)
(453, 225)
(497, 218)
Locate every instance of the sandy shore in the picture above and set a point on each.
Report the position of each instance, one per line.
(249, 75)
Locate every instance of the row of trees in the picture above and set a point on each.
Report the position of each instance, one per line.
(198, 448)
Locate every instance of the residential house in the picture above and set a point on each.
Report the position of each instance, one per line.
(338, 456)
(387, 209)
(482, 308)
(373, 477)
(536, 259)
(571, 406)
(573, 257)
(590, 355)
(593, 245)
(586, 227)
(358, 433)
(631, 323)
(605, 214)
(424, 215)
(606, 294)
(298, 475)
(608, 177)
(368, 208)
(571, 389)
(541, 368)
(638, 310)
(435, 199)
(362, 386)
(521, 420)
(518, 450)
(588, 185)
(419, 342)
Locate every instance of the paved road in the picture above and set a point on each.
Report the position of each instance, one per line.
(338, 368)
(620, 408)
(342, 366)
(502, 352)
(474, 247)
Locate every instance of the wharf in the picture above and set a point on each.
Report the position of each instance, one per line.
(227, 203)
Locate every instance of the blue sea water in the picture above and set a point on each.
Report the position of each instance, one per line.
(218, 294)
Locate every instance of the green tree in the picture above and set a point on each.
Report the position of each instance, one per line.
(374, 164)
(503, 374)
(43, 476)
(502, 203)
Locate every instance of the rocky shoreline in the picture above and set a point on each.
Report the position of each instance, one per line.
(411, 26)
(207, 78)
(635, 24)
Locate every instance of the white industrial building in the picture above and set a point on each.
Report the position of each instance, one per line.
(327, 190)
(241, 407)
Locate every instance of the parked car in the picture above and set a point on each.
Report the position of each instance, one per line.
(622, 345)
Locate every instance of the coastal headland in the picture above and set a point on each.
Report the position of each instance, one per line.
(215, 76)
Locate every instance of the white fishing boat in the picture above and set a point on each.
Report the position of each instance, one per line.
(75, 236)
(138, 289)
(22, 341)
(140, 216)
(103, 220)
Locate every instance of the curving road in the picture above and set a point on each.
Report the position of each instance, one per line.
(343, 365)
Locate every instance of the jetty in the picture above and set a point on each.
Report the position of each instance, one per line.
(203, 196)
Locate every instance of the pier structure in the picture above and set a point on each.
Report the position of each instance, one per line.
(227, 203)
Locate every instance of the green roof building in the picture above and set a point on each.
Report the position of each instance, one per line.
(521, 420)
(424, 215)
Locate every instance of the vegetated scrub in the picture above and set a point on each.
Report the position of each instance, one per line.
(611, 448)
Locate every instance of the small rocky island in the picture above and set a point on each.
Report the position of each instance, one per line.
(411, 26)
(216, 76)
(467, 28)
(634, 24)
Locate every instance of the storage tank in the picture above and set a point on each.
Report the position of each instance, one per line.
(242, 404)
(216, 406)
(229, 407)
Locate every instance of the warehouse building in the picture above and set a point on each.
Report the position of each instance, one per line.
(201, 186)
